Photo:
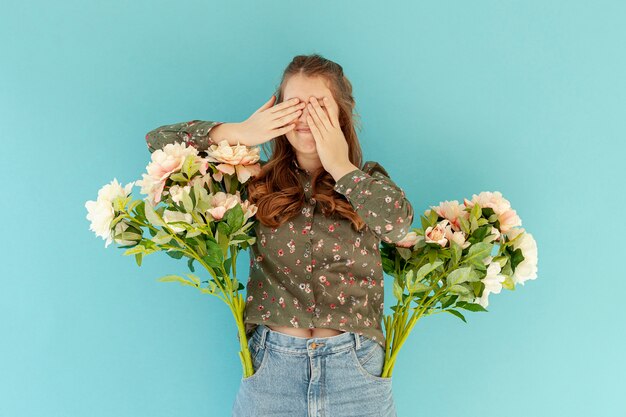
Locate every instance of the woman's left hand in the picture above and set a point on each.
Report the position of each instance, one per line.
(330, 142)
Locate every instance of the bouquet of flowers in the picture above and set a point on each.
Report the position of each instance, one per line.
(448, 264)
(194, 208)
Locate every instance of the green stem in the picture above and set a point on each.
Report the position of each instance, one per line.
(402, 331)
(235, 302)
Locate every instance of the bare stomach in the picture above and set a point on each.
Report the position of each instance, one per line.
(307, 333)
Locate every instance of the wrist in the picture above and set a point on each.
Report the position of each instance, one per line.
(343, 170)
(230, 132)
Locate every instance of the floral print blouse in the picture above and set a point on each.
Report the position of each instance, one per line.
(315, 271)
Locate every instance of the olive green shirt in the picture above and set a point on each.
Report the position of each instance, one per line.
(315, 271)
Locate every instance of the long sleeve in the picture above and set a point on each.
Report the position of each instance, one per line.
(194, 133)
(379, 201)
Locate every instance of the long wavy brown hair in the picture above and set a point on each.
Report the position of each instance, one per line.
(276, 191)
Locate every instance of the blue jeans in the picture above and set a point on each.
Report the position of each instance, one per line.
(337, 376)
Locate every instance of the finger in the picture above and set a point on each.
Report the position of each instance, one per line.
(285, 119)
(316, 117)
(283, 130)
(317, 135)
(288, 111)
(285, 104)
(321, 115)
(333, 111)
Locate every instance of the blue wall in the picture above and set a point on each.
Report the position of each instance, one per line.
(456, 97)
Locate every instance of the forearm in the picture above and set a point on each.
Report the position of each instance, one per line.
(228, 132)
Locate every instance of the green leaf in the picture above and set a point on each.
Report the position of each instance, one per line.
(448, 300)
(425, 222)
(476, 212)
(473, 223)
(397, 290)
(194, 278)
(178, 177)
(427, 269)
(482, 232)
(234, 217)
(478, 252)
(138, 257)
(176, 254)
(458, 276)
(456, 251)
(432, 217)
(516, 258)
(419, 287)
(465, 226)
(456, 313)
(405, 253)
(459, 289)
(432, 256)
(128, 236)
(162, 237)
(152, 216)
(224, 229)
(187, 203)
(176, 278)
(135, 250)
(470, 306)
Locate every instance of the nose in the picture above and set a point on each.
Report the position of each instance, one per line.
(302, 119)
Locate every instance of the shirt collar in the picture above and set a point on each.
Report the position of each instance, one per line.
(295, 162)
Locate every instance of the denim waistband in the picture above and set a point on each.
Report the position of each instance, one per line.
(265, 336)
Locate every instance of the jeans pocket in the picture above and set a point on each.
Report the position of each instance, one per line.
(369, 359)
(259, 356)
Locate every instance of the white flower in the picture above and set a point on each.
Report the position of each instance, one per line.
(101, 212)
(527, 269)
(176, 216)
(493, 282)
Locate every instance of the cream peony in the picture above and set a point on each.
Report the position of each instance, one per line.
(177, 192)
(165, 162)
(507, 217)
(527, 269)
(439, 234)
(409, 240)
(493, 282)
(101, 212)
(220, 203)
(460, 239)
(232, 159)
(450, 210)
(248, 208)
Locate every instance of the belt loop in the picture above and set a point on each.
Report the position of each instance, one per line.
(264, 332)
(357, 339)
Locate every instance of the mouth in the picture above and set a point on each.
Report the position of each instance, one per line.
(303, 130)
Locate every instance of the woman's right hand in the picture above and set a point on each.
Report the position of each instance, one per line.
(270, 121)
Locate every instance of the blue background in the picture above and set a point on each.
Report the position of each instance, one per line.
(456, 97)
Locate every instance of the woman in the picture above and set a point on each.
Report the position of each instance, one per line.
(315, 292)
